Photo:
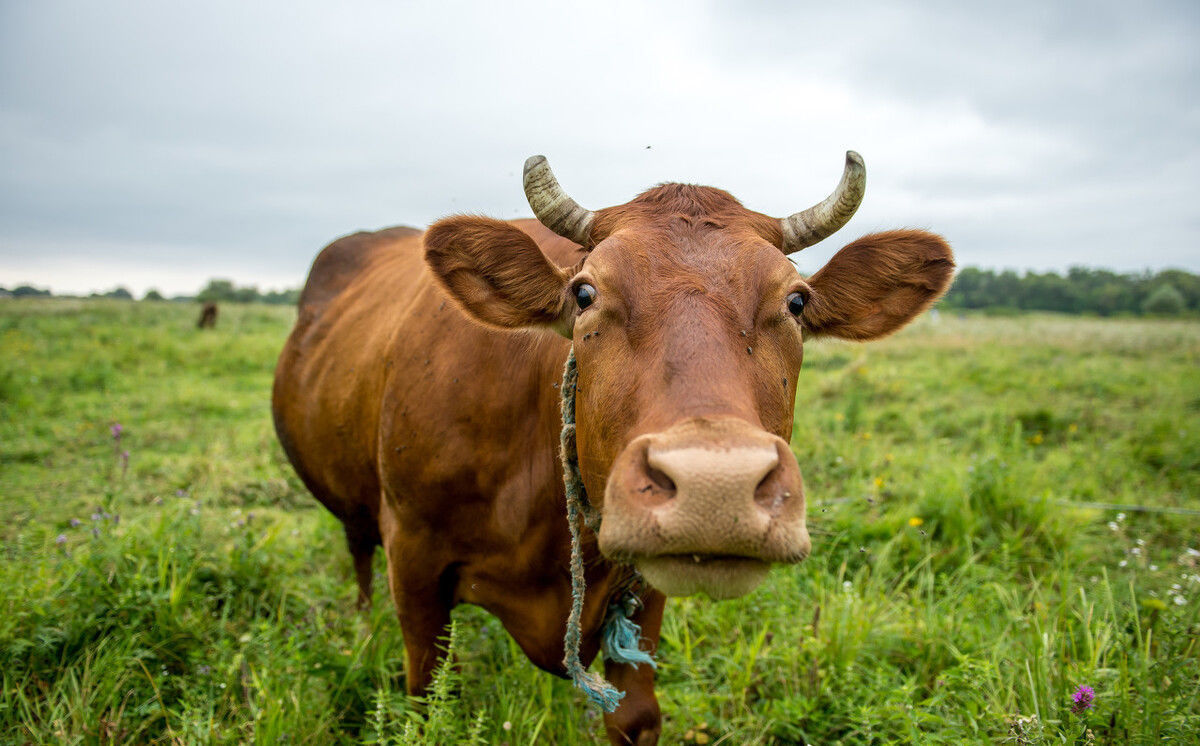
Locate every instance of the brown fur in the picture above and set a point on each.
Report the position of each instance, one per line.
(435, 435)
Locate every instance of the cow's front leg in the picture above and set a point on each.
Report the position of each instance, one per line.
(637, 720)
(423, 603)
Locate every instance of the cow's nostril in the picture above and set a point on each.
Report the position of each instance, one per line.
(660, 479)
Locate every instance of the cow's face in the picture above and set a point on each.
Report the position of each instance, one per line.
(688, 324)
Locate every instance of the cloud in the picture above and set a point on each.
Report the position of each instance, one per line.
(235, 139)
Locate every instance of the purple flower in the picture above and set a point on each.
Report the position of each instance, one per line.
(75, 522)
(116, 430)
(1083, 698)
(61, 539)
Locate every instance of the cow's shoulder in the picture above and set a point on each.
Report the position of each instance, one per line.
(341, 261)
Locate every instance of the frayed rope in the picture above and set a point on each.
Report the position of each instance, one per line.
(620, 635)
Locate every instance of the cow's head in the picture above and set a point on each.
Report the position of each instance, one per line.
(688, 322)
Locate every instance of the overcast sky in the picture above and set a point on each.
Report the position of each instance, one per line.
(158, 144)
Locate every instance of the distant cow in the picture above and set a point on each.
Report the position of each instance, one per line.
(418, 398)
(208, 316)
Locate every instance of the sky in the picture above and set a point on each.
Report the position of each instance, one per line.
(160, 144)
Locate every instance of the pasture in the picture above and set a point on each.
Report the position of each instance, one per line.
(170, 581)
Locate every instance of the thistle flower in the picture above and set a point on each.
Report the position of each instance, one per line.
(1082, 699)
(116, 430)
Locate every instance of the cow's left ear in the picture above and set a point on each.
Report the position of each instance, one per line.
(877, 284)
(497, 273)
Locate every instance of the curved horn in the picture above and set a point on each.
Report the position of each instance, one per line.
(553, 207)
(807, 227)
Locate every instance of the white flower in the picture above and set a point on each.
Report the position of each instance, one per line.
(1135, 551)
(1120, 516)
(1122, 563)
(1153, 568)
(846, 586)
(1113, 525)
(1179, 600)
(1141, 542)
(507, 725)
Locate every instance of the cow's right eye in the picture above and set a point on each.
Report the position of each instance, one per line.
(585, 295)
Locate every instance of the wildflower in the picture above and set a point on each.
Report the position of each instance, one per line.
(839, 416)
(1120, 517)
(75, 522)
(61, 539)
(1036, 439)
(878, 482)
(116, 430)
(1153, 568)
(847, 586)
(889, 458)
(507, 725)
(1122, 563)
(1112, 525)
(1179, 600)
(915, 521)
(1082, 699)
(1072, 428)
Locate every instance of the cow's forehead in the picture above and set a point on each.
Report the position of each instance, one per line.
(680, 252)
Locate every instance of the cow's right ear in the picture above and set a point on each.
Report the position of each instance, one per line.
(498, 274)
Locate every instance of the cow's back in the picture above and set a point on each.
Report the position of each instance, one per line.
(384, 377)
(325, 398)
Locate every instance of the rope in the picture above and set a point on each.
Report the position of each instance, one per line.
(620, 635)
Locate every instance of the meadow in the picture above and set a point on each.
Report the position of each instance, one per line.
(166, 579)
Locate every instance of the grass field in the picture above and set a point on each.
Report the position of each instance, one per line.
(173, 583)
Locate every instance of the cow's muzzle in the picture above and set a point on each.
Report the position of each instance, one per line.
(705, 507)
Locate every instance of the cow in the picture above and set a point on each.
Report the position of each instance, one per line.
(208, 316)
(418, 398)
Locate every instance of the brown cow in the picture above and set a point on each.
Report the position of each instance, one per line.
(208, 316)
(418, 398)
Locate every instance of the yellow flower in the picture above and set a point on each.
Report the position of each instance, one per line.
(889, 458)
(839, 416)
(878, 482)
(1036, 439)
(866, 436)
(915, 521)
(1072, 428)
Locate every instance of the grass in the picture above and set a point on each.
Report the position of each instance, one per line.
(195, 593)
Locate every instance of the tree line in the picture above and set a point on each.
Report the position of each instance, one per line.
(1170, 292)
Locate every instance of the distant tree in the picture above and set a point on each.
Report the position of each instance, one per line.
(152, 294)
(27, 291)
(217, 290)
(1164, 300)
(119, 293)
(226, 292)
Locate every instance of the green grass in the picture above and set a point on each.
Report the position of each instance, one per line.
(204, 597)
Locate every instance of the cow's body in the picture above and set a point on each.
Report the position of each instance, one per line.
(418, 398)
(386, 389)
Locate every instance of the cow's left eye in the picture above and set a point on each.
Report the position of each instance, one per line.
(795, 304)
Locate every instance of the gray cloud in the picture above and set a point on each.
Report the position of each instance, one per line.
(145, 140)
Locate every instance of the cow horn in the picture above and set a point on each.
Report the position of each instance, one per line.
(807, 227)
(553, 207)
